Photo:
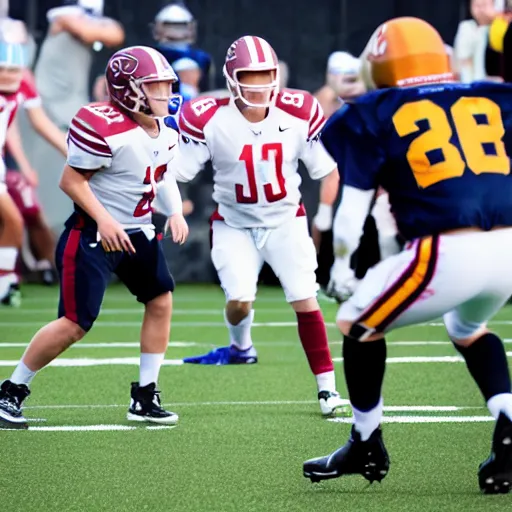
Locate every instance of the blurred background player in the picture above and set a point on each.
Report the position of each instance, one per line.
(254, 140)
(117, 161)
(342, 82)
(39, 247)
(175, 32)
(441, 151)
(62, 76)
(471, 41)
(189, 74)
(12, 62)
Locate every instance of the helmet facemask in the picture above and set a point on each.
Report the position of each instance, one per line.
(254, 84)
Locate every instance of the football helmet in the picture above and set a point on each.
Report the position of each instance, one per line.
(129, 69)
(251, 53)
(405, 52)
(175, 25)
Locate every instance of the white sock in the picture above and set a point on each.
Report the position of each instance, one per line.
(150, 368)
(367, 422)
(500, 403)
(22, 374)
(326, 381)
(240, 335)
(8, 257)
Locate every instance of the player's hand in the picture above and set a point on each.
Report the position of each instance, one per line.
(323, 218)
(31, 176)
(114, 237)
(179, 228)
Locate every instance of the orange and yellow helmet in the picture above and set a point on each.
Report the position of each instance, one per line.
(405, 52)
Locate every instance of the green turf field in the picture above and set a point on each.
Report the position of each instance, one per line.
(244, 431)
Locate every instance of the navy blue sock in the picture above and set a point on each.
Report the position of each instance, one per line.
(487, 363)
(364, 364)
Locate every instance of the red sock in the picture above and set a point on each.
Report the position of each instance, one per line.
(313, 336)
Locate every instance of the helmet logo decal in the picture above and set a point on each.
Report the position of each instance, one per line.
(380, 44)
(231, 55)
(124, 64)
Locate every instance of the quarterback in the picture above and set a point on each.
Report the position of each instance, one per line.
(255, 139)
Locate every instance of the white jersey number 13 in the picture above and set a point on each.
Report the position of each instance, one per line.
(271, 151)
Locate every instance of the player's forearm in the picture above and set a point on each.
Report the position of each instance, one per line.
(350, 218)
(105, 31)
(44, 126)
(180, 174)
(15, 147)
(169, 196)
(329, 188)
(75, 185)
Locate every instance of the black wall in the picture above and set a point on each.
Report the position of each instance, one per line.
(303, 32)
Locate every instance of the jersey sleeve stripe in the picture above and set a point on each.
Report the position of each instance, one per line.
(84, 130)
(316, 128)
(89, 146)
(189, 130)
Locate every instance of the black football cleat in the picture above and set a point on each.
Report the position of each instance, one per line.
(145, 406)
(367, 458)
(495, 474)
(11, 398)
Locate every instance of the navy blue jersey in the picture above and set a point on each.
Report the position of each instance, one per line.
(441, 152)
(202, 58)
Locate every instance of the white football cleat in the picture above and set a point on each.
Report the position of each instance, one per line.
(331, 404)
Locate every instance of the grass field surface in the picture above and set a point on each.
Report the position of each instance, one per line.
(244, 431)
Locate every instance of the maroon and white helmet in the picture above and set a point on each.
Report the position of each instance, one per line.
(251, 53)
(131, 67)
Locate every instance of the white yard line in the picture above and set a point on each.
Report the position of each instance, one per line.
(114, 344)
(118, 325)
(424, 419)
(90, 428)
(131, 361)
(137, 311)
(184, 344)
(388, 408)
(115, 361)
(178, 323)
(421, 359)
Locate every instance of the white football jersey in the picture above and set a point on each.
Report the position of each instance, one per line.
(128, 162)
(256, 179)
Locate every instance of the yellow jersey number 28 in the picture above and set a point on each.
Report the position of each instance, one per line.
(472, 136)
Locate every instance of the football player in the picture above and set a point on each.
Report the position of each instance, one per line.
(118, 153)
(22, 185)
(12, 61)
(441, 150)
(175, 31)
(254, 139)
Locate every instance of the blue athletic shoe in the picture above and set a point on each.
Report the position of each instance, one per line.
(225, 355)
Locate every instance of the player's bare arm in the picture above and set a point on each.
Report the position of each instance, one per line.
(15, 148)
(88, 30)
(75, 185)
(44, 126)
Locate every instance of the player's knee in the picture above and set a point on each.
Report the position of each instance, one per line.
(73, 331)
(237, 310)
(160, 306)
(12, 226)
(463, 333)
(305, 305)
(344, 326)
(468, 340)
